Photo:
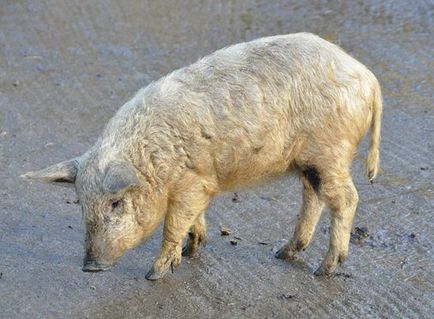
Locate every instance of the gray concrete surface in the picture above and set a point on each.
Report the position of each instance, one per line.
(66, 66)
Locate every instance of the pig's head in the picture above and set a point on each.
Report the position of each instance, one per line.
(119, 206)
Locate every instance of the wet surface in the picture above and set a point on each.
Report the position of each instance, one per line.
(66, 67)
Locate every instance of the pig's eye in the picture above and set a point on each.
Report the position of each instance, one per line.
(116, 203)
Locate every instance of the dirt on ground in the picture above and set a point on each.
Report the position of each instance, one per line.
(67, 66)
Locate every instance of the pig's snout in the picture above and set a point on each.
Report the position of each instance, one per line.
(94, 266)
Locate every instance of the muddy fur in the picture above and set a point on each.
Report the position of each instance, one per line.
(242, 115)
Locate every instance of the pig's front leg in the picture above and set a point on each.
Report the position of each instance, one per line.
(196, 236)
(183, 212)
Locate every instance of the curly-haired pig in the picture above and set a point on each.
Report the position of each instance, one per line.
(244, 114)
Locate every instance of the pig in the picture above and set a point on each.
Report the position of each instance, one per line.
(248, 113)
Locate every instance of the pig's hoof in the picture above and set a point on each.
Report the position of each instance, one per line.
(284, 253)
(188, 251)
(324, 271)
(154, 275)
(192, 246)
(163, 264)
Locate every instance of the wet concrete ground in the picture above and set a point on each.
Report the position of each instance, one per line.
(66, 66)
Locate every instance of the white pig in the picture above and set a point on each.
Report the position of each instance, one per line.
(244, 114)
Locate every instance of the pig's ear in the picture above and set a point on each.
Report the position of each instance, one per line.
(63, 173)
(119, 177)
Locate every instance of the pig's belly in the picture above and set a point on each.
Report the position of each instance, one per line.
(245, 166)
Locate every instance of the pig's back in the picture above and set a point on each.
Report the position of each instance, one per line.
(245, 109)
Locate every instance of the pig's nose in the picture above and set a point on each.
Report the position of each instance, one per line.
(94, 266)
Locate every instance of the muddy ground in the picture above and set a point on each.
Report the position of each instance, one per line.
(67, 66)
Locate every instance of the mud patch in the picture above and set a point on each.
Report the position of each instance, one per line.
(383, 239)
(235, 198)
(359, 234)
(287, 296)
(224, 231)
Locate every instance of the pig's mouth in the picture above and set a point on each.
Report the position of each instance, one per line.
(95, 266)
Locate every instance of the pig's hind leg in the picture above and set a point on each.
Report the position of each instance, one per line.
(308, 217)
(341, 197)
